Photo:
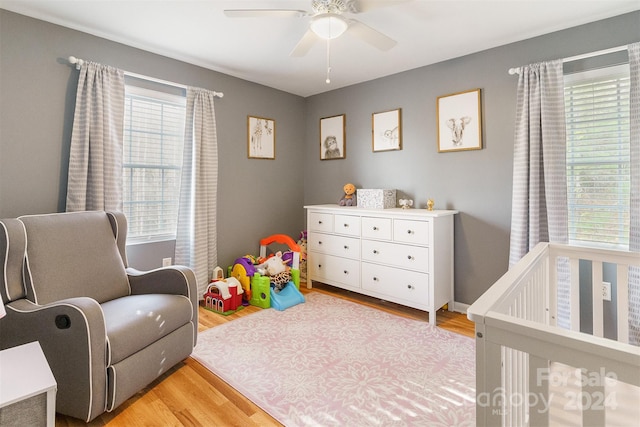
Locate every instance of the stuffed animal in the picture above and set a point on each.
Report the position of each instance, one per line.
(277, 270)
(302, 242)
(349, 198)
(280, 280)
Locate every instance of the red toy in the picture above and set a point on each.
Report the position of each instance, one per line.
(223, 295)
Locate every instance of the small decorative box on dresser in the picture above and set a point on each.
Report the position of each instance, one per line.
(399, 255)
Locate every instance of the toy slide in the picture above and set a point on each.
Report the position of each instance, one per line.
(287, 297)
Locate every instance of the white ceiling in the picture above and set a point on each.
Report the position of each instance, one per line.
(257, 49)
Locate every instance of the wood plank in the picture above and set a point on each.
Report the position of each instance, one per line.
(189, 395)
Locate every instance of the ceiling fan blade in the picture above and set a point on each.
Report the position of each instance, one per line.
(367, 5)
(306, 42)
(259, 13)
(374, 37)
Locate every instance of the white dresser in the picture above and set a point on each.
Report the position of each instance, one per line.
(403, 256)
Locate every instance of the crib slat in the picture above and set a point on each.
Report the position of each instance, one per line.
(575, 294)
(622, 303)
(538, 413)
(598, 311)
(591, 400)
(552, 267)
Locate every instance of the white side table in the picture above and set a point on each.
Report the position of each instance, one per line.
(25, 373)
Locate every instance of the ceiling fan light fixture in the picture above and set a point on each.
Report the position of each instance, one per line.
(328, 25)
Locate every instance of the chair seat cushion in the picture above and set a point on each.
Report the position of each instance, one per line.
(136, 321)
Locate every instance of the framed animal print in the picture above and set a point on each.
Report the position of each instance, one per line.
(386, 130)
(333, 143)
(261, 138)
(459, 121)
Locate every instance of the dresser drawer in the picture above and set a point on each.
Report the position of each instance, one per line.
(341, 246)
(406, 285)
(413, 232)
(319, 221)
(346, 224)
(334, 269)
(376, 228)
(410, 257)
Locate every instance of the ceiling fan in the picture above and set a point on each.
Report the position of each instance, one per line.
(328, 21)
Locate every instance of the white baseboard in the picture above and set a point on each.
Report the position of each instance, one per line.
(460, 307)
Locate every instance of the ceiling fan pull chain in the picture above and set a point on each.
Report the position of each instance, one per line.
(328, 61)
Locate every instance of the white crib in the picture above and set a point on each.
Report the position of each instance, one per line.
(534, 366)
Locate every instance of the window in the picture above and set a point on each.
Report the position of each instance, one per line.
(153, 142)
(598, 157)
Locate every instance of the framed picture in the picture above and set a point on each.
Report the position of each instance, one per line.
(386, 130)
(333, 137)
(459, 121)
(261, 138)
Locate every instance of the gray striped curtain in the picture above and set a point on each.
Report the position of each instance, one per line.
(539, 204)
(95, 158)
(196, 244)
(634, 231)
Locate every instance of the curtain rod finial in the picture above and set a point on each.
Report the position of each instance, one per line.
(77, 61)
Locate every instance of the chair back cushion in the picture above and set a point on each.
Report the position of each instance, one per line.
(72, 255)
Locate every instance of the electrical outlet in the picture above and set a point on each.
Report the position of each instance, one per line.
(166, 262)
(606, 291)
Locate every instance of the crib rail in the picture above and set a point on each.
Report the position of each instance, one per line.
(536, 363)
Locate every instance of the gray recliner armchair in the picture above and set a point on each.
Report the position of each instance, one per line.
(107, 330)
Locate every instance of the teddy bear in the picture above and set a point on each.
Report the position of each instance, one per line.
(349, 198)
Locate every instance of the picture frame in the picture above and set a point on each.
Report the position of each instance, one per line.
(459, 121)
(386, 130)
(261, 138)
(333, 144)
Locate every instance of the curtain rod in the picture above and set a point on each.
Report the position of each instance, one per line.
(78, 63)
(513, 71)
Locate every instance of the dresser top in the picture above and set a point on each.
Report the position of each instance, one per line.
(354, 210)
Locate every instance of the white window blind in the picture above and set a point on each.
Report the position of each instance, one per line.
(597, 114)
(153, 142)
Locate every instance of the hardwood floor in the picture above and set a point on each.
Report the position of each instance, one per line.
(190, 395)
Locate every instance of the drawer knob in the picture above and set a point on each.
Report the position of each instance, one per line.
(346, 225)
(319, 265)
(320, 242)
(345, 272)
(409, 231)
(409, 286)
(375, 279)
(319, 222)
(410, 258)
(375, 251)
(346, 247)
(375, 228)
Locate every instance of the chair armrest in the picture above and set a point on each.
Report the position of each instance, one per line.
(72, 335)
(175, 279)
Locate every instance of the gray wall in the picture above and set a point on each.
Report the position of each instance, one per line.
(261, 197)
(477, 183)
(256, 198)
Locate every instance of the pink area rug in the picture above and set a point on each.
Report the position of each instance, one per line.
(331, 362)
